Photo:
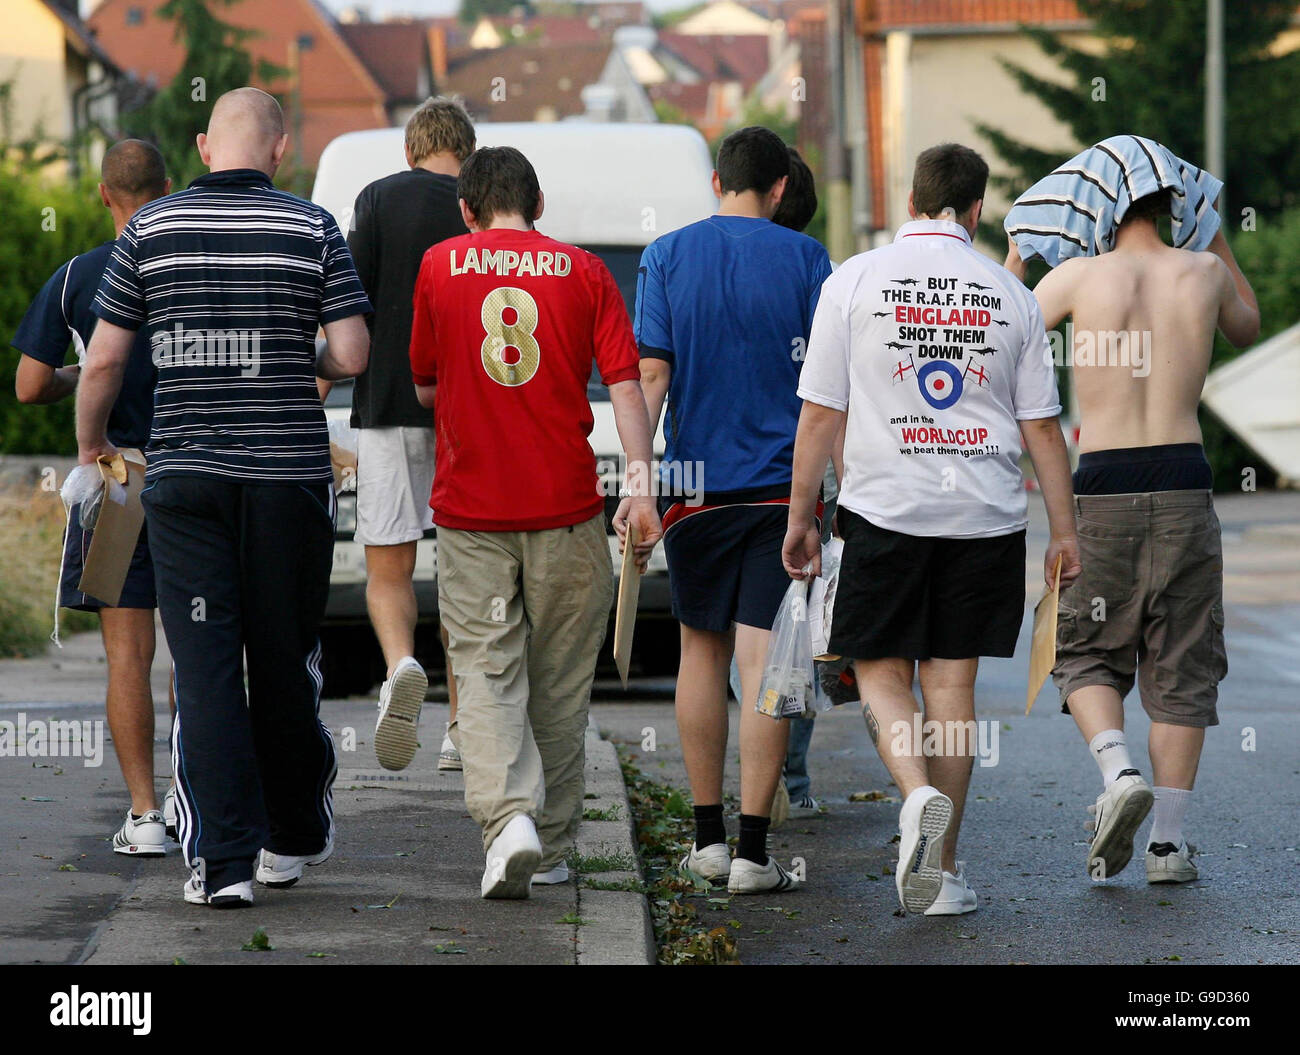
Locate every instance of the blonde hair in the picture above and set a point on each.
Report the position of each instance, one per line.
(440, 126)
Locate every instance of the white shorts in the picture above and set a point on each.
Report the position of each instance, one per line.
(394, 480)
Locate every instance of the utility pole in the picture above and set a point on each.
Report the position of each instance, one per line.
(1214, 148)
(839, 196)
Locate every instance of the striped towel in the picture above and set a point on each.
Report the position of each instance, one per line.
(1075, 210)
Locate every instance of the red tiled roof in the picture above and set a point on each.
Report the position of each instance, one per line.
(874, 15)
(396, 54)
(721, 58)
(537, 79)
(338, 92)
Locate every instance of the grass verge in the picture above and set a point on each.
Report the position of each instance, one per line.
(679, 899)
(31, 540)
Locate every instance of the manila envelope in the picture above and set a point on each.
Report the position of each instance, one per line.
(116, 531)
(629, 590)
(1042, 648)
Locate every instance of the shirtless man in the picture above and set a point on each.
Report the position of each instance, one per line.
(1150, 599)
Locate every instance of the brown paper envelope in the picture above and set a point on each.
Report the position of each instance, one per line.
(1042, 648)
(629, 590)
(116, 531)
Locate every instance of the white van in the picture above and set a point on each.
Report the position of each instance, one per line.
(611, 189)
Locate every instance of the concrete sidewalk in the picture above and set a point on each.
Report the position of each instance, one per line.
(402, 886)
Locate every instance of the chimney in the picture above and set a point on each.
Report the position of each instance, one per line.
(438, 57)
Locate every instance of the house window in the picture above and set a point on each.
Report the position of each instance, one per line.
(134, 16)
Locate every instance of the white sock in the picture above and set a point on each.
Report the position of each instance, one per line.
(1171, 808)
(1110, 750)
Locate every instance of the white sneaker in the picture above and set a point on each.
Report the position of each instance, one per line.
(712, 863)
(169, 813)
(145, 837)
(449, 753)
(400, 700)
(236, 895)
(552, 877)
(283, 870)
(922, 825)
(805, 808)
(749, 878)
(511, 860)
(956, 898)
(1167, 863)
(1116, 817)
(780, 807)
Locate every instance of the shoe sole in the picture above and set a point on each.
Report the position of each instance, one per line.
(141, 850)
(923, 880)
(1172, 877)
(516, 876)
(1113, 847)
(784, 884)
(291, 878)
(397, 731)
(229, 902)
(942, 910)
(450, 765)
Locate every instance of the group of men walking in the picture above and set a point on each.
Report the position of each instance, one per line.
(920, 371)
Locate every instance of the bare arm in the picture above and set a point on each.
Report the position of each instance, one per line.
(1013, 263)
(655, 375)
(101, 381)
(426, 395)
(1046, 448)
(38, 382)
(347, 349)
(1055, 294)
(819, 430)
(633, 424)
(1238, 308)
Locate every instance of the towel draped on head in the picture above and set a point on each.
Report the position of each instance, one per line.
(1076, 209)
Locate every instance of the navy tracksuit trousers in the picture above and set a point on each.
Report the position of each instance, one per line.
(243, 574)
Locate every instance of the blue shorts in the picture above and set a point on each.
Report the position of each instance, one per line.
(138, 589)
(724, 565)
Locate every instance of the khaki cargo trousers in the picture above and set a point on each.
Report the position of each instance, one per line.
(525, 613)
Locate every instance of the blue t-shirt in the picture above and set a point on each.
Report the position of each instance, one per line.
(60, 316)
(728, 302)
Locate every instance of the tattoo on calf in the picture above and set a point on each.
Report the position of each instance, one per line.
(872, 727)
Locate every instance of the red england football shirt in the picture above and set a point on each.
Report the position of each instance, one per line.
(506, 324)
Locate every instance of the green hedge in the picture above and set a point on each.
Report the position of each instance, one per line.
(46, 223)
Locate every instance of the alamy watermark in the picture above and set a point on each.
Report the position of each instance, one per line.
(41, 738)
(934, 739)
(681, 479)
(1127, 348)
(183, 347)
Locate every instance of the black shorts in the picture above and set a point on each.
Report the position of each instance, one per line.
(724, 566)
(138, 590)
(918, 597)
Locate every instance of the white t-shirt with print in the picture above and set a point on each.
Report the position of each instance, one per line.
(937, 353)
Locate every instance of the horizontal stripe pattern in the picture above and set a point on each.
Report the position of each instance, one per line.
(231, 279)
(1076, 209)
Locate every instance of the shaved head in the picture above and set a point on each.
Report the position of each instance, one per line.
(247, 114)
(245, 131)
(134, 171)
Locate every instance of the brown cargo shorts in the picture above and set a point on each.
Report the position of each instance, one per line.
(1149, 603)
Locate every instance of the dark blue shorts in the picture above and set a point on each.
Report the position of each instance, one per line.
(138, 590)
(724, 566)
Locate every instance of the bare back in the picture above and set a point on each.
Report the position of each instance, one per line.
(1143, 330)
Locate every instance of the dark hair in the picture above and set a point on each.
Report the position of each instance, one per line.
(134, 169)
(497, 181)
(949, 176)
(752, 158)
(799, 202)
(1150, 207)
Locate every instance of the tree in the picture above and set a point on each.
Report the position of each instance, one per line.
(1149, 79)
(216, 61)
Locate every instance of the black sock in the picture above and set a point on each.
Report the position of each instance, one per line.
(753, 838)
(709, 828)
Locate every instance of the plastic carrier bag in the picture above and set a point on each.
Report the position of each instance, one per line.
(787, 688)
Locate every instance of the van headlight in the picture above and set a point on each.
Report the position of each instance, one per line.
(345, 522)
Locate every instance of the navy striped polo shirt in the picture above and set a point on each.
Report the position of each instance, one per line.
(232, 278)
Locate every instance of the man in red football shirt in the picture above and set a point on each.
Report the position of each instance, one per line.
(506, 324)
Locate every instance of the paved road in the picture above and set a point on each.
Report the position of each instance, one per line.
(1023, 838)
